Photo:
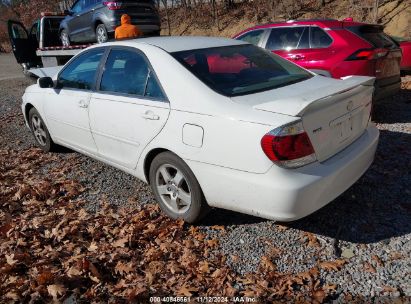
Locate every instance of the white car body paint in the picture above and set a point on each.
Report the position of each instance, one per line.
(228, 161)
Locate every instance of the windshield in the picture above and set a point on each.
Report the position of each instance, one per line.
(240, 69)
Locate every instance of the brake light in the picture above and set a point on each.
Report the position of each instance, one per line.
(289, 146)
(367, 54)
(113, 5)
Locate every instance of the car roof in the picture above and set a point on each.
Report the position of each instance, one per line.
(323, 23)
(181, 43)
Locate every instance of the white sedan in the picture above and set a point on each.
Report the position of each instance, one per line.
(210, 122)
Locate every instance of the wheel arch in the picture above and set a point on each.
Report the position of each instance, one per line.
(97, 22)
(27, 109)
(149, 159)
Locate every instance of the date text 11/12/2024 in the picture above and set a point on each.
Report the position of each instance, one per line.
(208, 299)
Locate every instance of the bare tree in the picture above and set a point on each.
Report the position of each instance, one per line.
(167, 16)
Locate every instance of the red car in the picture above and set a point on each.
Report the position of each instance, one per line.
(334, 48)
(406, 57)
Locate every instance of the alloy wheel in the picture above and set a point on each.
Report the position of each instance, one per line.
(101, 35)
(65, 39)
(39, 130)
(173, 188)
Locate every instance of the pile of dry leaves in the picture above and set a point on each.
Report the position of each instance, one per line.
(52, 248)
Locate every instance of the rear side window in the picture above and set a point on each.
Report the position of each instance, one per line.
(288, 38)
(81, 72)
(240, 69)
(252, 37)
(127, 72)
(319, 38)
(374, 35)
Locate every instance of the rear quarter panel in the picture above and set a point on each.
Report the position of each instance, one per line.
(232, 132)
(406, 55)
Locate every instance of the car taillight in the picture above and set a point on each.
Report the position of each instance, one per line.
(289, 146)
(113, 5)
(366, 54)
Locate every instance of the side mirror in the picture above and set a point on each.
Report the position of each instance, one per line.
(46, 82)
(67, 12)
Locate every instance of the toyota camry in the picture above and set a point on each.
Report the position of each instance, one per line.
(210, 122)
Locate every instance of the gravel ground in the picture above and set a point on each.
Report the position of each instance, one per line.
(369, 225)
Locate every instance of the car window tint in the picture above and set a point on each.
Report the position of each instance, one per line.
(18, 32)
(319, 38)
(78, 6)
(125, 72)
(241, 69)
(374, 35)
(34, 30)
(285, 38)
(153, 88)
(252, 37)
(81, 72)
(304, 42)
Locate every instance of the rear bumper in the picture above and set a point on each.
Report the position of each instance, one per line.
(284, 194)
(405, 70)
(386, 87)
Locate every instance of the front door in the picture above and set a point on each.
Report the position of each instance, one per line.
(67, 105)
(24, 46)
(291, 43)
(129, 109)
(77, 22)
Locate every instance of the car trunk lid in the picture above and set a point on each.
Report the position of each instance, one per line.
(333, 115)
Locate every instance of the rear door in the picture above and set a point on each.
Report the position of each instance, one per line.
(78, 22)
(24, 46)
(129, 109)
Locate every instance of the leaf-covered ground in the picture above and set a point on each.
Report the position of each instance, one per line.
(60, 239)
(52, 248)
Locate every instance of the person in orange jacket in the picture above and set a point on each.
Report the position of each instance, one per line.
(126, 29)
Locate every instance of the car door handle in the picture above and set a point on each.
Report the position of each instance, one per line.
(83, 104)
(150, 115)
(297, 57)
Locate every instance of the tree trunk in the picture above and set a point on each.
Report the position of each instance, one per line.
(167, 16)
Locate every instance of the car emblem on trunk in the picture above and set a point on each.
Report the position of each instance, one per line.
(350, 105)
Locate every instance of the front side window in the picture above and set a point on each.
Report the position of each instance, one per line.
(127, 72)
(34, 31)
(319, 38)
(252, 37)
(18, 32)
(81, 72)
(288, 38)
(78, 7)
(241, 69)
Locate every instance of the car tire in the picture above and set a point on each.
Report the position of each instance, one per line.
(176, 188)
(40, 132)
(65, 38)
(101, 34)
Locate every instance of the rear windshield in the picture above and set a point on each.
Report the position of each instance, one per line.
(374, 35)
(241, 69)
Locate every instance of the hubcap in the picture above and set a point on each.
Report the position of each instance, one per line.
(173, 188)
(101, 35)
(39, 130)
